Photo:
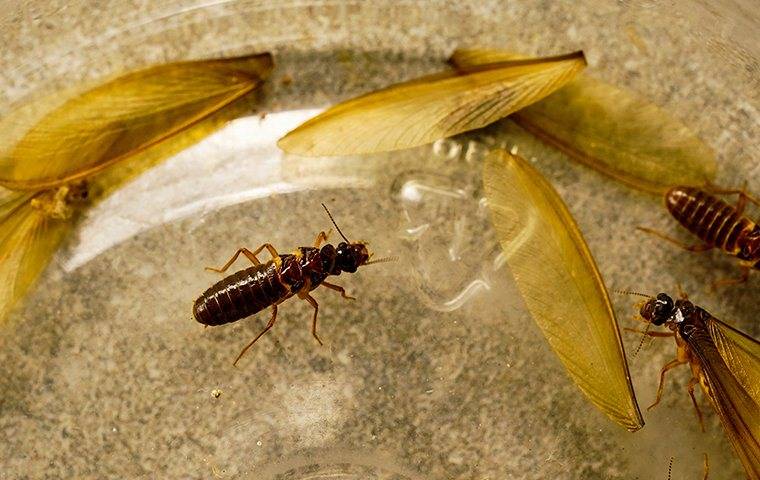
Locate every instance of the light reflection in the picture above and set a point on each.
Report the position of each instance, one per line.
(236, 164)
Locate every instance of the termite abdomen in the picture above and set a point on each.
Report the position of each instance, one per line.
(240, 295)
(711, 219)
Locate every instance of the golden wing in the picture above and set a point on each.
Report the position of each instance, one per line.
(741, 354)
(28, 239)
(49, 142)
(729, 359)
(611, 130)
(427, 109)
(561, 286)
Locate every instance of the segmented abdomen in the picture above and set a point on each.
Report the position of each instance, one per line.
(240, 295)
(711, 219)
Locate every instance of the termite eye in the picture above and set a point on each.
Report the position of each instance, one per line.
(663, 306)
(646, 311)
(664, 297)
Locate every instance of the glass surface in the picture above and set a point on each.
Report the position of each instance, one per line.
(435, 370)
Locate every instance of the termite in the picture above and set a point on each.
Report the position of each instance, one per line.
(263, 285)
(724, 361)
(717, 224)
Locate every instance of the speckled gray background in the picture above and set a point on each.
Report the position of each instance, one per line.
(105, 375)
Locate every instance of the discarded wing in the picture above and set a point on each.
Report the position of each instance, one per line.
(611, 130)
(28, 237)
(429, 108)
(48, 142)
(53, 155)
(560, 284)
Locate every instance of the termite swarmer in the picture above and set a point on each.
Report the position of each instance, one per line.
(263, 285)
(724, 361)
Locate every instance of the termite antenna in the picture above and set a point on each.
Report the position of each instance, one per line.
(382, 260)
(628, 292)
(670, 468)
(333, 222)
(643, 337)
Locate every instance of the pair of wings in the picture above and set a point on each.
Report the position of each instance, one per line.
(433, 107)
(730, 361)
(64, 137)
(607, 128)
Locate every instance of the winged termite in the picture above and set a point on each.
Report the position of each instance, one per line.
(560, 284)
(429, 108)
(60, 161)
(611, 130)
(724, 361)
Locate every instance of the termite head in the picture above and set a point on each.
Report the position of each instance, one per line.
(658, 310)
(750, 246)
(349, 257)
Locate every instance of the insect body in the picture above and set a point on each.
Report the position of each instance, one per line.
(724, 361)
(717, 224)
(268, 284)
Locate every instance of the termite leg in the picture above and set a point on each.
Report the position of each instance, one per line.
(314, 304)
(651, 334)
(668, 366)
(690, 387)
(321, 237)
(733, 281)
(706, 467)
(269, 248)
(249, 254)
(741, 202)
(338, 288)
(692, 248)
(266, 329)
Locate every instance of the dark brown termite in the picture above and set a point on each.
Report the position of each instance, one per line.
(724, 361)
(717, 224)
(263, 285)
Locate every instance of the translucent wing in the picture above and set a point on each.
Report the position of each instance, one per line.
(426, 109)
(50, 141)
(611, 130)
(28, 239)
(561, 286)
(741, 354)
(736, 406)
